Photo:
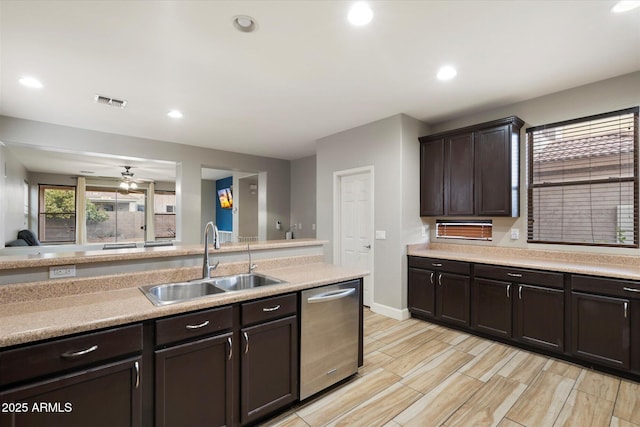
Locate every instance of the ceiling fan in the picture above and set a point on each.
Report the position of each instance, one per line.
(127, 182)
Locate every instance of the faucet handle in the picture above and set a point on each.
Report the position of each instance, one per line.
(214, 266)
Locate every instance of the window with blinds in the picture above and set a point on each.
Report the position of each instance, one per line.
(583, 181)
(468, 230)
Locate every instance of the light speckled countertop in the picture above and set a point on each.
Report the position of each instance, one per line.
(42, 318)
(614, 266)
(85, 257)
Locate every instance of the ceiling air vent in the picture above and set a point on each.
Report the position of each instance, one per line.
(110, 101)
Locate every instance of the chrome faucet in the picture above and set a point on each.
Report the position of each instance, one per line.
(206, 267)
(251, 266)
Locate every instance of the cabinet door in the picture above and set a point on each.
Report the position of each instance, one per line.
(105, 396)
(194, 383)
(601, 329)
(421, 294)
(432, 178)
(453, 298)
(493, 190)
(492, 307)
(269, 368)
(458, 175)
(539, 316)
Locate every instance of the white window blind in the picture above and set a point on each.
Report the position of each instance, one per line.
(583, 181)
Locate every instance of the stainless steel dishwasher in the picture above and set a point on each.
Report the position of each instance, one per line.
(329, 335)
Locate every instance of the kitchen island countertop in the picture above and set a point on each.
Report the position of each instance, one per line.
(55, 316)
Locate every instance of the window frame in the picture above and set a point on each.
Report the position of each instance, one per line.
(157, 215)
(634, 180)
(41, 206)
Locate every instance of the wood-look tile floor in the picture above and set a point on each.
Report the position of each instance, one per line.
(420, 374)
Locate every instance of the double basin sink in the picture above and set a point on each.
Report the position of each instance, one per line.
(171, 293)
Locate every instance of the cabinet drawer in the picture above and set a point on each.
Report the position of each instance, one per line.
(268, 309)
(459, 267)
(192, 325)
(61, 355)
(604, 286)
(521, 275)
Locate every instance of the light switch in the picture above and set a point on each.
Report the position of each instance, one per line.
(515, 234)
(381, 234)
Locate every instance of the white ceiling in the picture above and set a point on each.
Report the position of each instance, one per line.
(306, 73)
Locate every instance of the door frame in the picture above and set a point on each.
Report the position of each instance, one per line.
(337, 223)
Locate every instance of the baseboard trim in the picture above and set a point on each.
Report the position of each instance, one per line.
(394, 313)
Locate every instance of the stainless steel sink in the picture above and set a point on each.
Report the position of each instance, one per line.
(177, 292)
(172, 293)
(239, 282)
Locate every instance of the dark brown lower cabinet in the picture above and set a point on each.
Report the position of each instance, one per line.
(422, 292)
(601, 329)
(439, 289)
(492, 307)
(539, 316)
(104, 396)
(453, 298)
(194, 383)
(269, 367)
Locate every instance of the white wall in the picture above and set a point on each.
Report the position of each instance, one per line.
(389, 145)
(248, 214)
(600, 97)
(208, 197)
(12, 179)
(190, 160)
(303, 197)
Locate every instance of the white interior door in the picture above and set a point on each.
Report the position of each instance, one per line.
(356, 227)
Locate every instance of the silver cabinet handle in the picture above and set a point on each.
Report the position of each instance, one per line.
(508, 291)
(626, 309)
(268, 309)
(514, 274)
(246, 342)
(230, 348)
(76, 354)
(519, 291)
(436, 264)
(136, 366)
(331, 295)
(630, 289)
(440, 279)
(431, 278)
(201, 325)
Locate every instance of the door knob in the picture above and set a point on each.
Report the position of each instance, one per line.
(367, 247)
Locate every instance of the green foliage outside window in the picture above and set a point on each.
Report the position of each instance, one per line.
(62, 203)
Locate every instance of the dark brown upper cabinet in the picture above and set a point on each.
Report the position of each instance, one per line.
(472, 171)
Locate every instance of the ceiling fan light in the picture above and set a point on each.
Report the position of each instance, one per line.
(133, 185)
(124, 185)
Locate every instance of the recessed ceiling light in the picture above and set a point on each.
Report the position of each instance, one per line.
(625, 6)
(31, 82)
(174, 114)
(360, 14)
(245, 23)
(446, 73)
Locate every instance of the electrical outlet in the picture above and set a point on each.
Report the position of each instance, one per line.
(313, 227)
(60, 271)
(515, 234)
